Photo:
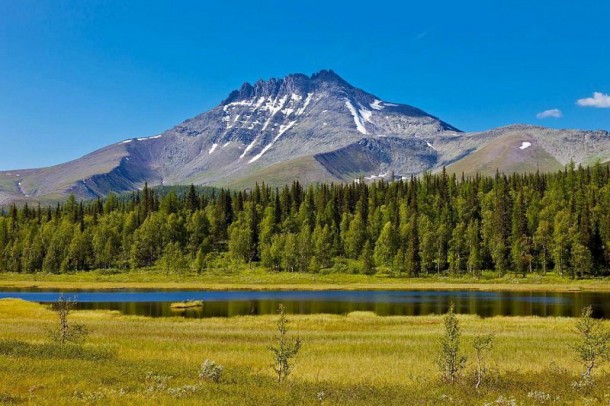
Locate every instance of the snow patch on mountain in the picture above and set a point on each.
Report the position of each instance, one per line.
(305, 104)
(357, 119)
(248, 148)
(237, 103)
(376, 105)
(380, 176)
(366, 114)
(283, 129)
(276, 105)
(154, 137)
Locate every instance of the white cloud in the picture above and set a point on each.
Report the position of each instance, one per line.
(599, 100)
(554, 113)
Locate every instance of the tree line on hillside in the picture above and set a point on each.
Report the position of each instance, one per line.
(436, 223)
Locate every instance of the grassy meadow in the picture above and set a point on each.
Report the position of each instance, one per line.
(257, 278)
(358, 358)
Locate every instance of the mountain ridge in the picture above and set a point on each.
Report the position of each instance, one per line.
(319, 122)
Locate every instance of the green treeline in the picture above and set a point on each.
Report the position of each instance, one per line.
(429, 224)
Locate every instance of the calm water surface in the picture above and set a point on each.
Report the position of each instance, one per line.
(385, 303)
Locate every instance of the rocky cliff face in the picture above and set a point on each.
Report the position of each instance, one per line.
(282, 119)
(311, 128)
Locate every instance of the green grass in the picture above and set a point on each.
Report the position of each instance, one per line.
(359, 358)
(305, 169)
(51, 350)
(8, 184)
(260, 279)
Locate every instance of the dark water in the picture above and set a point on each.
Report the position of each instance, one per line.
(384, 303)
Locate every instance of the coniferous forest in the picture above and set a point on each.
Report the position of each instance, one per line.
(433, 224)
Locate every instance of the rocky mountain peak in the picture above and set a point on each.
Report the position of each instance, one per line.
(328, 75)
(296, 83)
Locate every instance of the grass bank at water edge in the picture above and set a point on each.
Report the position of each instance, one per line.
(359, 358)
(259, 279)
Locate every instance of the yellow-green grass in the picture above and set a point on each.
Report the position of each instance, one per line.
(304, 169)
(358, 358)
(186, 304)
(503, 154)
(259, 279)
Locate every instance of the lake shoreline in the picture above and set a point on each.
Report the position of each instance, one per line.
(262, 281)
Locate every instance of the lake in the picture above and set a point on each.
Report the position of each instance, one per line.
(156, 303)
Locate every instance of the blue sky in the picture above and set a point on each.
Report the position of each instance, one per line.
(78, 75)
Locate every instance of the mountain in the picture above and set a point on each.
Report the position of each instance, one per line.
(310, 128)
(522, 149)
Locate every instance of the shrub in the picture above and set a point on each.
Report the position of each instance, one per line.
(210, 371)
(482, 344)
(450, 361)
(285, 350)
(182, 391)
(65, 331)
(594, 345)
(156, 382)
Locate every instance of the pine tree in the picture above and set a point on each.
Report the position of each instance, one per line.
(192, 200)
(385, 247)
(561, 241)
(368, 262)
(398, 264)
(474, 248)
(457, 251)
(427, 249)
(355, 237)
(543, 240)
(581, 261)
(290, 254)
(240, 239)
(412, 262)
(305, 251)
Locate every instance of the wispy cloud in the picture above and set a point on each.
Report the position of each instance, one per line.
(421, 35)
(599, 100)
(552, 113)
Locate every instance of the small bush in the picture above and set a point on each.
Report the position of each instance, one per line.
(65, 331)
(450, 361)
(210, 371)
(182, 391)
(285, 350)
(541, 397)
(482, 344)
(355, 268)
(594, 345)
(340, 266)
(156, 382)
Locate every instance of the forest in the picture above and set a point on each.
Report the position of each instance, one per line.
(431, 224)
